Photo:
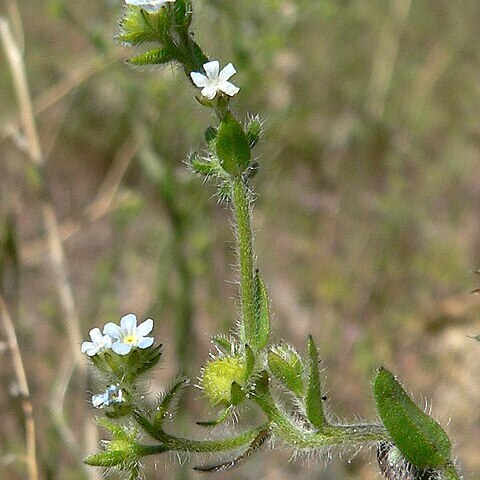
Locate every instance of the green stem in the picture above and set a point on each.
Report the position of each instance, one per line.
(330, 435)
(241, 206)
(170, 442)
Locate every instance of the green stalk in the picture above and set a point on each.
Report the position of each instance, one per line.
(170, 442)
(329, 436)
(241, 207)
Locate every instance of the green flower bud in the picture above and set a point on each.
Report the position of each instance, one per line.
(219, 375)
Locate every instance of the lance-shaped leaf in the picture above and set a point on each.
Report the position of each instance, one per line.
(232, 145)
(203, 166)
(217, 421)
(223, 343)
(313, 398)
(421, 439)
(183, 13)
(262, 313)
(254, 130)
(286, 366)
(140, 361)
(210, 135)
(170, 396)
(237, 394)
(157, 56)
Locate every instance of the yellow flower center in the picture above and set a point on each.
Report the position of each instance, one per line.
(130, 339)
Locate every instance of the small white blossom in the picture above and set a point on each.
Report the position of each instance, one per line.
(98, 344)
(111, 395)
(150, 6)
(128, 335)
(215, 81)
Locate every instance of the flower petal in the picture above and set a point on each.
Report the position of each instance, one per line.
(89, 348)
(212, 69)
(112, 330)
(229, 88)
(95, 335)
(227, 72)
(121, 348)
(98, 400)
(129, 323)
(199, 79)
(145, 342)
(145, 328)
(209, 92)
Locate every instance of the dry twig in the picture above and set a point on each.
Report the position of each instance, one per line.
(23, 390)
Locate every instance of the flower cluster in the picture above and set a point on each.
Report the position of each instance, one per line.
(120, 338)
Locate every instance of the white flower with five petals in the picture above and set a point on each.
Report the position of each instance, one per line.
(128, 335)
(215, 81)
(150, 6)
(98, 344)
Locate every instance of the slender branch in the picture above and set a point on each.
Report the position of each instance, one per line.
(24, 390)
(241, 206)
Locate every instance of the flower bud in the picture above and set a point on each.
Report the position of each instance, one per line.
(222, 378)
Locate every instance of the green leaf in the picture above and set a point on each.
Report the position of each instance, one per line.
(262, 313)
(183, 13)
(210, 135)
(137, 27)
(223, 343)
(157, 56)
(139, 361)
(421, 439)
(232, 145)
(249, 361)
(220, 419)
(286, 366)
(254, 130)
(313, 399)
(203, 166)
(173, 393)
(237, 394)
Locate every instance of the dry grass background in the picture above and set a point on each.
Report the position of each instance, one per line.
(367, 224)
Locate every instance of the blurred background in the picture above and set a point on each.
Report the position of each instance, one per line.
(367, 216)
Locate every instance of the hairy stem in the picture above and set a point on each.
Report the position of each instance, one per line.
(171, 442)
(241, 206)
(330, 435)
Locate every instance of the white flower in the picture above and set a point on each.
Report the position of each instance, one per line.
(112, 394)
(215, 81)
(98, 344)
(128, 335)
(150, 6)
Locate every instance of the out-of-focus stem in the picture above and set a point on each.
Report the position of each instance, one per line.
(49, 219)
(24, 391)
